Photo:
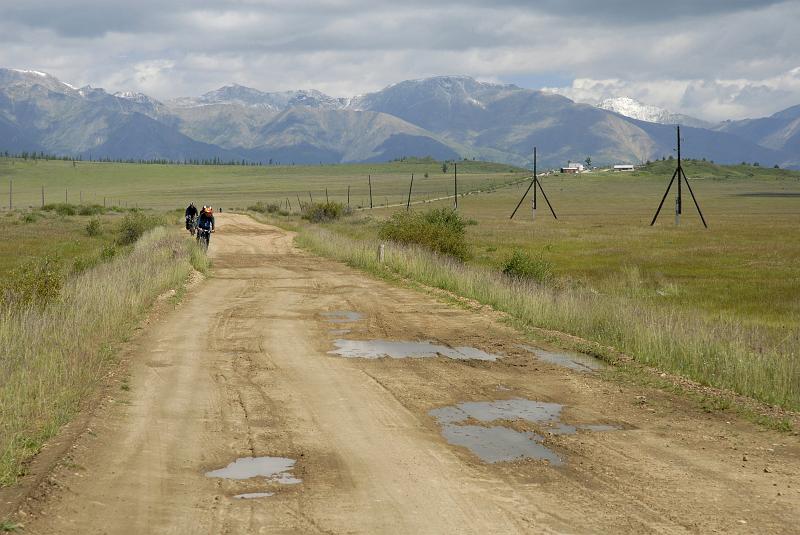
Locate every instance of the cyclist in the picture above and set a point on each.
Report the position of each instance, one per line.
(191, 213)
(206, 222)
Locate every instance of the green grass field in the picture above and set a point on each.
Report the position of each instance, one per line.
(29, 235)
(170, 186)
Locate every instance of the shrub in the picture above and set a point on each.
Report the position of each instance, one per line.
(441, 230)
(108, 252)
(30, 217)
(134, 225)
(522, 265)
(90, 209)
(36, 282)
(265, 208)
(93, 227)
(321, 212)
(63, 209)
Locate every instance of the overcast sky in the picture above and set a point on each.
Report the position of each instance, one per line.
(715, 59)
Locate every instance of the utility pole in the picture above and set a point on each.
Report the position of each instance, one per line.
(42, 196)
(369, 177)
(10, 194)
(681, 176)
(348, 195)
(535, 184)
(408, 203)
(455, 183)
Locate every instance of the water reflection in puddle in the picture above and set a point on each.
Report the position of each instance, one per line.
(373, 349)
(343, 316)
(568, 359)
(276, 469)
(498, 443)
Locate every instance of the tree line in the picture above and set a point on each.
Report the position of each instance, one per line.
(33, 155)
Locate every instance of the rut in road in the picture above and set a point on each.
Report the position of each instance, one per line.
(241, 369)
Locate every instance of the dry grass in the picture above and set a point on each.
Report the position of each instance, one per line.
(721, 353)
(53, 357)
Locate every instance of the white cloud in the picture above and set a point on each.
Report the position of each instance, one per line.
(714, 59)
(713, 100)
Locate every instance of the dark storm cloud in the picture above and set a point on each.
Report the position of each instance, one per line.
(676, 53)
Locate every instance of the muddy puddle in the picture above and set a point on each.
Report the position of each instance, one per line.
(567, 359)
(342, 316)
(498, 443)
(275, 469)
(253, 495)
(373, 349)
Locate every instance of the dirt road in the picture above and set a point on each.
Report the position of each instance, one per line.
(242, 369)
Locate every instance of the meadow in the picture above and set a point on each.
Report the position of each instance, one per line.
(164, 187)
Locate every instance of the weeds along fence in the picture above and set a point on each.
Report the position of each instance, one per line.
(718, 352)
(52, 356)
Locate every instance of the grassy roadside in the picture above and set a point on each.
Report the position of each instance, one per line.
(722, 353)
(54, 353)
(32, 234)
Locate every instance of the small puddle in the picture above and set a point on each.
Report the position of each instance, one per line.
(498, 443)
(343, 316)
(276, 469)
(568, 359)
(253, 495)
(373, 349)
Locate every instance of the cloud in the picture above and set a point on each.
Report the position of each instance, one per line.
(715, 56)
(713, 100)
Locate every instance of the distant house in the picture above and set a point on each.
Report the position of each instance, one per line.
(623, 167)
(573, 168)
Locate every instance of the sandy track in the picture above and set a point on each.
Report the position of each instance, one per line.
(241, 369)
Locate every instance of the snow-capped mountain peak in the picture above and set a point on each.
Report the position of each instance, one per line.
(630, 107)
(634, 109)
(133, 96)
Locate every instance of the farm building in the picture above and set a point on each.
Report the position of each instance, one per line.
(623, 167)
(573, 168)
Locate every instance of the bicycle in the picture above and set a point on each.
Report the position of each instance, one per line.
(204, 237)
(191, 224)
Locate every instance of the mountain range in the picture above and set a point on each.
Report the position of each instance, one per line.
(445, 117)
